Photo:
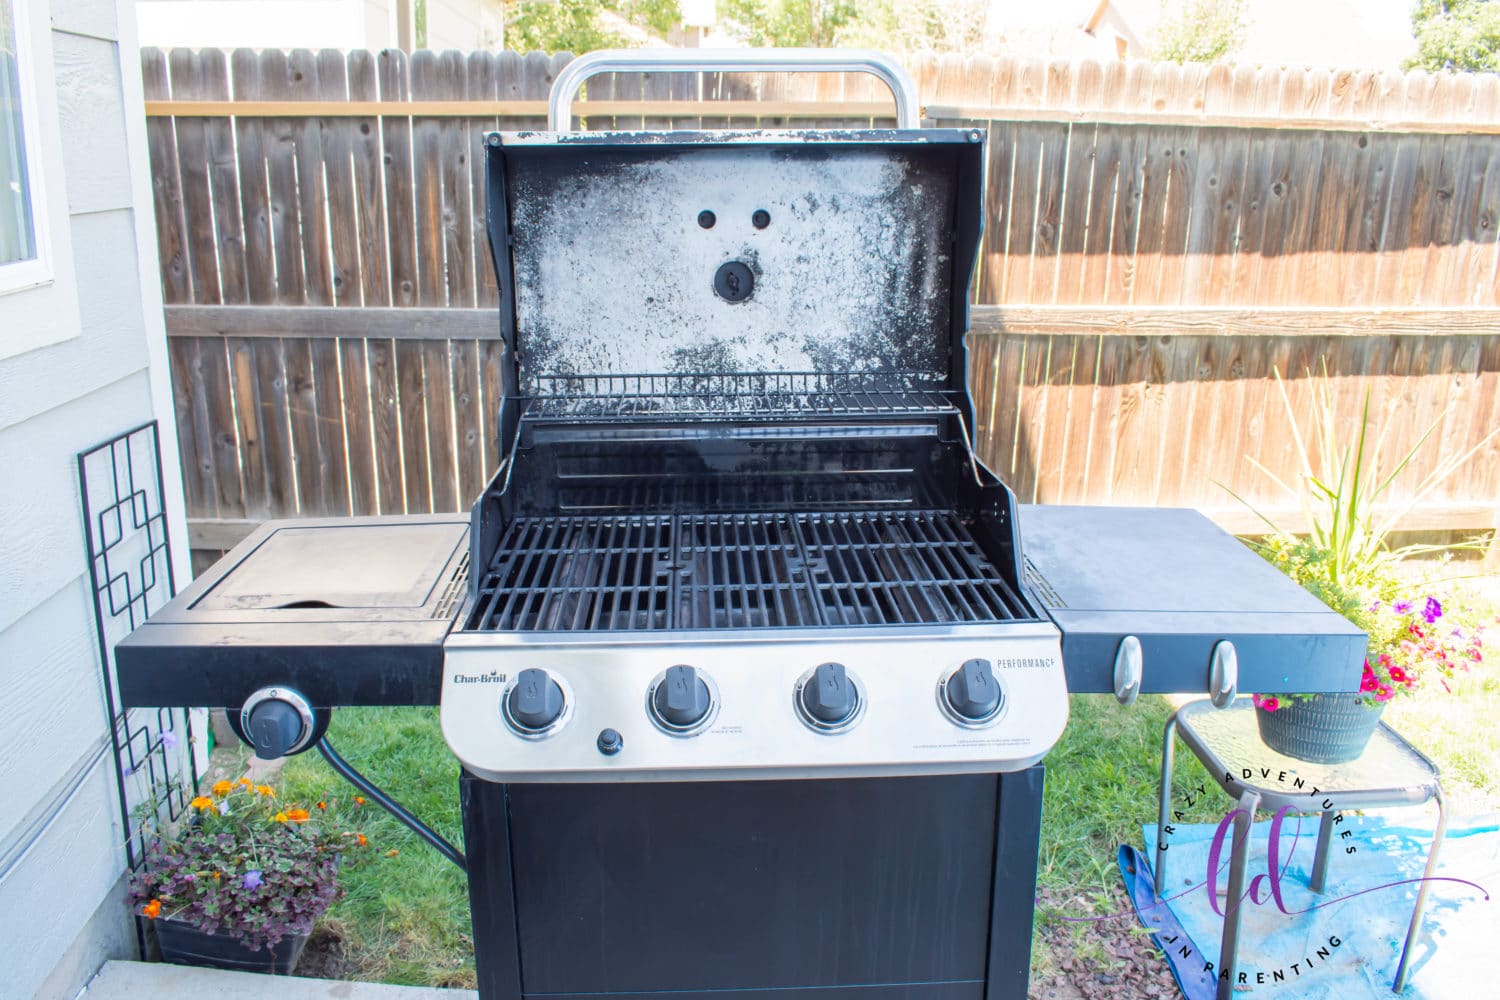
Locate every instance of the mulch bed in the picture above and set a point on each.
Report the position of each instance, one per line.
(1132, 968)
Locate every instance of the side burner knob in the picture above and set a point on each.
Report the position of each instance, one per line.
(681, 699)
(536, 700)
(277, 722)
(829, 696)
(972, 692)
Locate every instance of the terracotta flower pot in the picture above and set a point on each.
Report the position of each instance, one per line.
(1323, 729)
(183, 944)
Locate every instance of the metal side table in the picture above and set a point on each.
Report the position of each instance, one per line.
(1391, 772)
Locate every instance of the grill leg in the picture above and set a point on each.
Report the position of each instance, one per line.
(492, 897)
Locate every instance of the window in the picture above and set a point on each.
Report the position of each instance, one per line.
(23, 257)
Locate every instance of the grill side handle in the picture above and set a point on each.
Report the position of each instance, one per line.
(878, 64)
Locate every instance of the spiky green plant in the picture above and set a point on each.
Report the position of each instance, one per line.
(1340, 488)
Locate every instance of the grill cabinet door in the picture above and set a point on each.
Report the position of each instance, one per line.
(347, 611)
(1180, 584)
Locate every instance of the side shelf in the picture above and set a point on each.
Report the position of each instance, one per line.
(1180, 584)
(349, 611)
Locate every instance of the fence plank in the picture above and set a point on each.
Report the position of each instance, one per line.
(274, 424)
(468, 424)
(252, 462)
(427, 184)
(308, 457)
(312, 196)
(412, 410)
(195, 443)
(369, 198)
(187, 72)
(482, 79)
(330, 425)
(396, 135)
(438, 396)
(358, 431)
(218, 397)
(336, 150)
(386, 425)
(166, 191)
(255, 209)
(279, 139)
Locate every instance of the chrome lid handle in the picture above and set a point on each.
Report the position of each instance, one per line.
(1223, 674)
(878, 64)
(1128, 670)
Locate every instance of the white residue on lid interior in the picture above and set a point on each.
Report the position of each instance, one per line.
(615, 274)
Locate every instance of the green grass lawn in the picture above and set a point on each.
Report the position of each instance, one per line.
(404, 919)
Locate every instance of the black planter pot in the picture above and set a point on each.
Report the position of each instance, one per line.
(183, 944)
(1324, 729)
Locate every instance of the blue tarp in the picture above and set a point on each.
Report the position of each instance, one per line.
(1457, 952)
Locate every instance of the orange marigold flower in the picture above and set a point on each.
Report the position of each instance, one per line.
(266, 790)
(151, 910)
(359, 800)
(246, 782)
(202, 802)
(218, 875)
(361, 839)
(222, 787)
(323, 805)
(298, 815)
(280, 817)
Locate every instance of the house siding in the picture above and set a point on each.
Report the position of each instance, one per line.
(61, 845)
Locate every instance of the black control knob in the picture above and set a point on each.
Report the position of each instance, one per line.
(275, 728)
(536, 701)
(972, 691)
(681, 699)
(829, 696)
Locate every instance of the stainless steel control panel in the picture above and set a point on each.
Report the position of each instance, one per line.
(740, 707)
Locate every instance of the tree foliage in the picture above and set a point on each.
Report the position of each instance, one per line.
(787, 23)
(580, 26)
(892, 25)
(1456, 35)
(1201, 31)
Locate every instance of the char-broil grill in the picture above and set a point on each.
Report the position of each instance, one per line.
(748, 659)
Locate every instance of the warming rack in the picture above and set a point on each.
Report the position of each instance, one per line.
(738, 395)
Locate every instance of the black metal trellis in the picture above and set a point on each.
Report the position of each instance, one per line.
(130, 572)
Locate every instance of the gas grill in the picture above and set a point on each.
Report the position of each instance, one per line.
(748, 659)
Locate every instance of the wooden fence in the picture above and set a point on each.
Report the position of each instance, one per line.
(1158, 240)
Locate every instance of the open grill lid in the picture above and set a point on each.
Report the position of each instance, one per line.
(724, 275)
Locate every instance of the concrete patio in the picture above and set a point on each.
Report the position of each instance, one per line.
(153, 981)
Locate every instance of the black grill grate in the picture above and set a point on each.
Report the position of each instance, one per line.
(729, 571)
(740, 395)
